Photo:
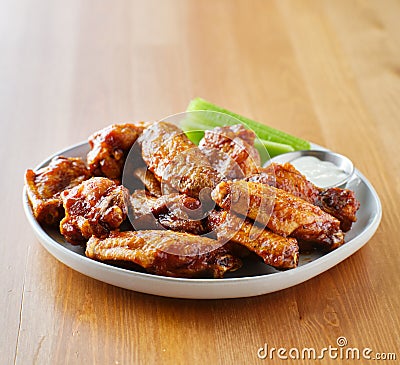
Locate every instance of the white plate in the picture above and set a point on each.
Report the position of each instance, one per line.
(253, 279)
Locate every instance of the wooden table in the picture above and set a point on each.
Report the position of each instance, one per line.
(327, 71)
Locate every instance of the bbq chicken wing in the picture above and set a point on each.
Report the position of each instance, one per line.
(277, 251)
(283, 213)
(231, 151)
(45, 185)
(165, 253)
(110, 146)
(177, 161)
(148, 180)
(341, 203)
(94, 207)
(177, 212)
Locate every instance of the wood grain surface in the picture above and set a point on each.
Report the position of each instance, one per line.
(327, 71)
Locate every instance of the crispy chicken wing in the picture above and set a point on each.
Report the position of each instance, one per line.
(341, 203)
(177, 212)
(45, 185)
(149, 181)
(165, 253)
(231, 151)
(277, 251)
(94, 207)
(109, 147)
(177, 161)
(281, 212)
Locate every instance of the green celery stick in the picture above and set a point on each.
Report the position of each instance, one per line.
(273, 149)
(195, 136)
(264, 132)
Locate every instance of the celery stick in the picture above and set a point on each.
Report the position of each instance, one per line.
(272, 149)
(262, 131)
(195, 136)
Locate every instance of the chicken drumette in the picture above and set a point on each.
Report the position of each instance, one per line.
(95, 207)
(231, 151)
(45, 185)
(110, 146)
(177, 212)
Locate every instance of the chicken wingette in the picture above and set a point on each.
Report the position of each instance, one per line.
(341, 203)
(276, 251)
(165, 253)
(283, 213)
(177, 161)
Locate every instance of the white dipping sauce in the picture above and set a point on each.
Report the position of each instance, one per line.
(320, 173)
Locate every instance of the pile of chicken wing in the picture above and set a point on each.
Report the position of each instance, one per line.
(149, 199)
